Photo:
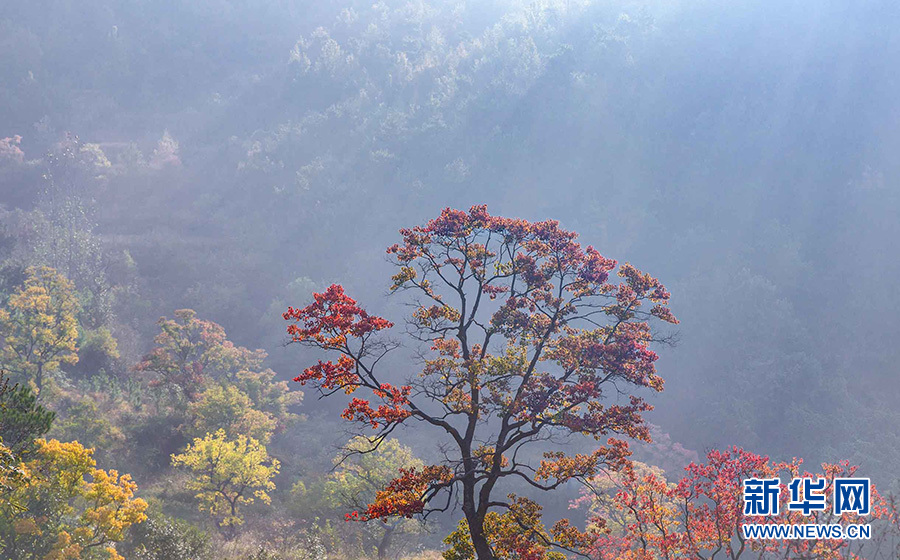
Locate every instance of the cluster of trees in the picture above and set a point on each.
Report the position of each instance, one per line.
(193, 418)
(54, 501)
(640, 514)
(196, 393)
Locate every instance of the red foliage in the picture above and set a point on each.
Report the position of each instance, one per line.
(331, 318)
(186, 348)
(403, 495)
(390, 413)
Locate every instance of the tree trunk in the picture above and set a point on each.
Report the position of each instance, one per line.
(231, 530)
(479, 540)
(385, 543)
(474, 514)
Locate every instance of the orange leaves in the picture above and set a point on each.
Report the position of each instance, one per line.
(519, 533)
(538, 250)
(663, 313)
(562, 467)
(435, 314)
(332, 375)
(406, 274)
(70, 505)
(552, 294)
(637, 288)
(643, 284)
(570, 536)
(405, 495)
(623, 353)
(488, 455)
(331, 318)
(391, 412)
(516, 534)
(448, 347)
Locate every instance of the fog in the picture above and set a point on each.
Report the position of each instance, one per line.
(234, 156)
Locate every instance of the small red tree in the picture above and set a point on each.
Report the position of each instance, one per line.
(526, 337)
(185, 348)
(191, 351)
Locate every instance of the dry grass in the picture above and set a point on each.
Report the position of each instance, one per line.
(424, 555)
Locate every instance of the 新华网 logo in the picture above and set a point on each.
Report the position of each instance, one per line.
(762, 497)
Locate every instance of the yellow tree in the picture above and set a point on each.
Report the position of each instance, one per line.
(228, 408)
(228, 473)
(39, 327)
(11, 476)
(63, 507)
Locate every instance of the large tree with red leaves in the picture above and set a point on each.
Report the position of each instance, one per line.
(526, 336)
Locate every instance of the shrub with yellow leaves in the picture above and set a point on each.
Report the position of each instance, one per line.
(64, 508)
(38, 326)
(227, 474)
